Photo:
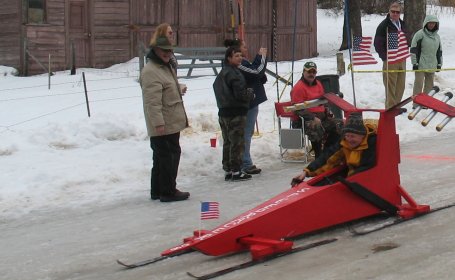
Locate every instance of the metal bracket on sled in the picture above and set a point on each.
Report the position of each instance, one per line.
(263, 247)
(405, 211)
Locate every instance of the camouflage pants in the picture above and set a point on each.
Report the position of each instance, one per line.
(233, 130)
(329, 128)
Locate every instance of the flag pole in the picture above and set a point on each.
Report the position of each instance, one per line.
(293, 42)
(352, 70)
(200, 220)
(387, 67)
(348, 29)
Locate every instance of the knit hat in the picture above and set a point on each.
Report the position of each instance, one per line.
(162, 43)
(310, 65)
(354, 124)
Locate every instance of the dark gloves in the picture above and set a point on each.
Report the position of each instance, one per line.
(250, 92)
(439, 68)
(415, 67)
(295, 182)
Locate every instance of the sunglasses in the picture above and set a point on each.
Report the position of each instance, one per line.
(395, 12)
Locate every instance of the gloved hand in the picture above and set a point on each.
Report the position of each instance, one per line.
(295, 182)
(439, 68)
(415, 67)
(250, 92)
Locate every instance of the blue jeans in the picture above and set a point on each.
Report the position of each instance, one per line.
(249, 130)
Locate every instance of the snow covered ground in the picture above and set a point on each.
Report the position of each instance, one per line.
(74, 188)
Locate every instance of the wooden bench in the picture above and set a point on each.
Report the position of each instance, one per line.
(202, 54)
(210, 58)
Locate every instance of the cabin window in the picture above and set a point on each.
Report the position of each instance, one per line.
(36, 11)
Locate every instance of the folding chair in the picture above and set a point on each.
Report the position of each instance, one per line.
(291, 138)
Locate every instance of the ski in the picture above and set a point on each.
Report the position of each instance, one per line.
(150, 261)
(266, 259)
(396, 221)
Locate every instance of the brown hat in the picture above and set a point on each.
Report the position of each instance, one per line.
(354, 124)
(162, 43)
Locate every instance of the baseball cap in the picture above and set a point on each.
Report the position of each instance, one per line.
(310, 65)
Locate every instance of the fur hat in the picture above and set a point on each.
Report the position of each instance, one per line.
(354, 124)
(162, 43)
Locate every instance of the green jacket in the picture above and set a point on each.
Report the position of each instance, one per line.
(426, 51)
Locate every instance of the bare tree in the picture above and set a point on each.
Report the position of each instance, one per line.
(414, 14)
(355, 23)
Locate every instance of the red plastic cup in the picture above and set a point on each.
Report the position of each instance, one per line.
(213, 142)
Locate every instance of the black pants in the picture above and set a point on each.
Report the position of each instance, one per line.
(166, 159)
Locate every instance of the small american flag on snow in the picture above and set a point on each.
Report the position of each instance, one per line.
(210, 210)
(397, 49)
(361, 54)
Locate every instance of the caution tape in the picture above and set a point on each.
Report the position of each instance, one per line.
(398, 71)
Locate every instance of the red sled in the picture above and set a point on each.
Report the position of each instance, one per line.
(313, 205)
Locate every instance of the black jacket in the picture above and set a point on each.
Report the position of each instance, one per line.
(380, 38)
(255, 77)
(231, 95)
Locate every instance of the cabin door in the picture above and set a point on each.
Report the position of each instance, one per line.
(80, 35)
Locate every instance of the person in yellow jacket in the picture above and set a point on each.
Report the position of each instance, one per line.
(357, 150)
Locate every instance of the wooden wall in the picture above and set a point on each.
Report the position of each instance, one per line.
(45, 39)
(10, 21)
(111, 35)
(200, 27)
(117, 28)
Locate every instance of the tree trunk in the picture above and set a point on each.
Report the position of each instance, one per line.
(414, 14)
(355, 23)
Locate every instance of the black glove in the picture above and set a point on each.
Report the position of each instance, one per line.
(295, 182)
(415, 67)
(439, 68)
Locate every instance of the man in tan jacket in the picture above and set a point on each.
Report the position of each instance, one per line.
(165, 117)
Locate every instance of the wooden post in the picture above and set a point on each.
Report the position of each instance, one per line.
(25, 59)
(73, 59)
(86, 95)
(49, 73)
(141, 51)
(341, 67)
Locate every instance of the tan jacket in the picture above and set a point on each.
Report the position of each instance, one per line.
(162, 99)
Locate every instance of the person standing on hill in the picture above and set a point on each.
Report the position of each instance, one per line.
(426, 53)
(394, 82)
(165, 117)
(233, 99)
(254, 73)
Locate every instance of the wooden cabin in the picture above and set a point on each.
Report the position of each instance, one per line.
(100, 33)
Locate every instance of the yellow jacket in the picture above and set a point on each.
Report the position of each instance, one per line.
(358, 159)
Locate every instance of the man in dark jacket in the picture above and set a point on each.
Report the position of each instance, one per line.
(394, 82)
(233, 100)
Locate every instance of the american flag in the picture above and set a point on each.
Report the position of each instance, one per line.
(361, 54)
(210, 210)
(397, 49)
